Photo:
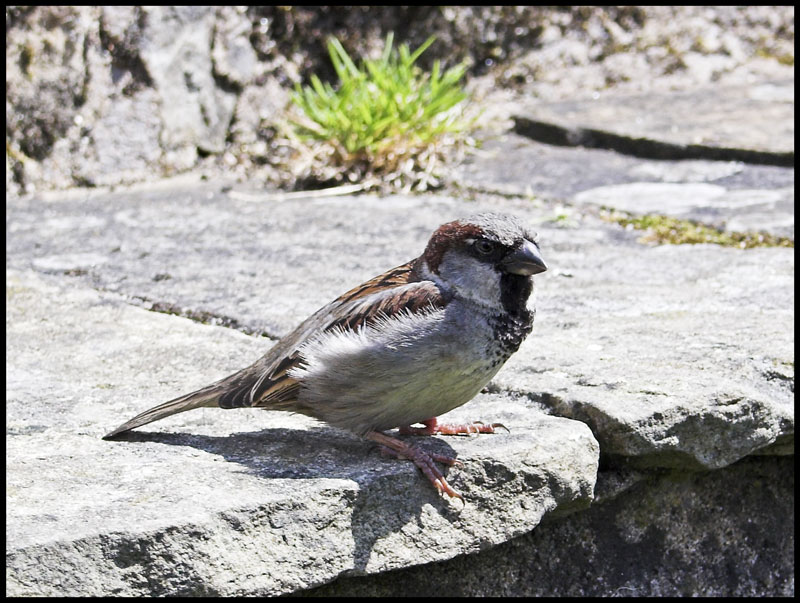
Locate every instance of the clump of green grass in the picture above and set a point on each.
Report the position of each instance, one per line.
(668, 230)
(386, 122)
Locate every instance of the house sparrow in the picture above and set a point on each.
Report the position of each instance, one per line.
(402, 348)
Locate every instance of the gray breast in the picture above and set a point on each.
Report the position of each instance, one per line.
(396, 372)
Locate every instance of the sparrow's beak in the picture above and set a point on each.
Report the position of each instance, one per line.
(525, 260)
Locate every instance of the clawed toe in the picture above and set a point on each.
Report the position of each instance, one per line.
(424, 460)
(490, 427)
(433, 427)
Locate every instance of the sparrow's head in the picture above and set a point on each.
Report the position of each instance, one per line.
(487, 258)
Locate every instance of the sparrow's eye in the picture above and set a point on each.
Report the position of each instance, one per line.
(484, 246)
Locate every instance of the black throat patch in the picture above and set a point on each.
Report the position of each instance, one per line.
(512, 326)
(515, 289)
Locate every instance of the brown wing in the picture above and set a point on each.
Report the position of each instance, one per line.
(267, 384)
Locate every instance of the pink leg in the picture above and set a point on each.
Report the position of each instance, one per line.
(423, 460)
(432, 427)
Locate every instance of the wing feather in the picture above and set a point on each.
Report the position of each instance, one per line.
(267, 384)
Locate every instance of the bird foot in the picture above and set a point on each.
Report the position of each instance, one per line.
(433, 427)
(423, 460)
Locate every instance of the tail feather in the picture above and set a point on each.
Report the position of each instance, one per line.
(204, 397)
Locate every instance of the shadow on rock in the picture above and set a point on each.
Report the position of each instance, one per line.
(391, 493)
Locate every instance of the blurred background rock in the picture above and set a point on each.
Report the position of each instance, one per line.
(101, 96)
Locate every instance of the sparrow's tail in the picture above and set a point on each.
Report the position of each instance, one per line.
(208, 396)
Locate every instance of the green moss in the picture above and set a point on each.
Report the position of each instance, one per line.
(668, 230)
(783, 59)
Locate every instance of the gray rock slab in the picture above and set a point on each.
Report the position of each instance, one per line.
(749, 122)
(732, 210)
(675, 356)
(712, 533)
(292, 503)
(686, 328)
(690, 365)
(730, 195)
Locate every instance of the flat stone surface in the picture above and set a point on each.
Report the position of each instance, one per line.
(677, 356)
(251, 263)
(731, 195)
(674, 356)
(758, 116)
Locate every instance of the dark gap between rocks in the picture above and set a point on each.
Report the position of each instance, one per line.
(644, 148)
(201, 316)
